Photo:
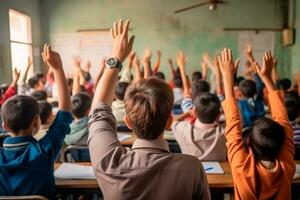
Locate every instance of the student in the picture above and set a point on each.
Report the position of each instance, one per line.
(81, 105)
(46, 116)
(39, 95)
(26, 165)
(118, 106)
(205, 138)
(292, 104)
(148, 170)
(177, 90)
(10, 90)
(265, 168)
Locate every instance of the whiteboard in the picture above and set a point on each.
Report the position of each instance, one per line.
(88, 45)
(260, 42)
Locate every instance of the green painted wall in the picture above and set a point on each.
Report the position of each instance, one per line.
(28, 7)
(156, 26)
(295, 49)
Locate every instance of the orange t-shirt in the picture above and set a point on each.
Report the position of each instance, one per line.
(251, 179)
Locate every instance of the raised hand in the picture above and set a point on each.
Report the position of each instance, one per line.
(147, 55)
(121, 45)
(77, 63)
(228, 69)
(268, 64)
(265, 72)
(51, 58)
(131, 56)
(180, 59)
(249, 49)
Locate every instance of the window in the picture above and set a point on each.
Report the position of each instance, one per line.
(20, 38)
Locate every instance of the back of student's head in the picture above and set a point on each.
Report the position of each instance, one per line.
(207, 106)
(266, 138)
(284, 84)
(178, 81)
(120, 90)
(199, 87)
(87, 76)
(81, 103)
(18, 112)
(148, 105)
(160, 75)
(237, 80)
(247, 88)
(196, 76)
(292, 104)
(39, 95)
(33, 81)
(45, 111)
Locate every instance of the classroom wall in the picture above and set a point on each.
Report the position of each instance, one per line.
(28, 7)
(295, 49)
(156, 26)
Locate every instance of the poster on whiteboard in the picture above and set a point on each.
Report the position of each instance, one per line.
(88, 45)
(260, 41)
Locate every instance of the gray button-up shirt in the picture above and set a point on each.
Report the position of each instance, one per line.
(147, 171)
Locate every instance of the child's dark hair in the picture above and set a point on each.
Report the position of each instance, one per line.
(45, 111)
(284, 84)
(196, 76)
(199, 87)
(160, 75)
(87, 76)
(33, 81)
(247, 88)
(292, 104)
(120, 90)
(81, 103)
(266, 138)
(39, 95)
(178, 81)
(19, 111)
(238, 79)
(207, 107)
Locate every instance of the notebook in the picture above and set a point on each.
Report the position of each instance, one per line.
(74, 171)
(212, 168)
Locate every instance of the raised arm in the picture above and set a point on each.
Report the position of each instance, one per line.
(137, 69)
(121, 48)
(249, 54)
(146, 63)
(278, 111)
(100, 72)
(28, 65)
(218, 76)
(181, 63)
(76, 82)
(233, 132)
(171, 66)
(157, 63)
(126, 73)
(52, 59)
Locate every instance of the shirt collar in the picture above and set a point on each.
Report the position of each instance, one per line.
(201, 125)
(151, 144)
(17, 142)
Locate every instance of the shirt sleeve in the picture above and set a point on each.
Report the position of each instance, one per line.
(186, 104)
(233, 133)
(54, 138)
(11, 91)
(102, 132)
(279, 114)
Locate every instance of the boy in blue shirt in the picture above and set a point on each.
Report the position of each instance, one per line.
(26, 165)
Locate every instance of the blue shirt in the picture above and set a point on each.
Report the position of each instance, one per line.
(26, 165)
(251, 110)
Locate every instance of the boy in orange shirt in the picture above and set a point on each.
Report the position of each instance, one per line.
(265, 168)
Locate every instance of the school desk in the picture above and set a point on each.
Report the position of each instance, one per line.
(217, 182)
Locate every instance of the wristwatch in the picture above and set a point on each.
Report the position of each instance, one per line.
(114, 63)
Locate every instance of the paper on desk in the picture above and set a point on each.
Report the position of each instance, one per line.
(123, 136)
(74, 171)
(212, 168)
(297, 173)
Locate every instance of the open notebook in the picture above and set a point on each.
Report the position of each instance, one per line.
(212, 168)
(74, 171)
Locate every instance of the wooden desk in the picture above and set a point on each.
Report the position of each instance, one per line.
(216, 182)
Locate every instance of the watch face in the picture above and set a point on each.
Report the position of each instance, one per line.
(112, 62)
